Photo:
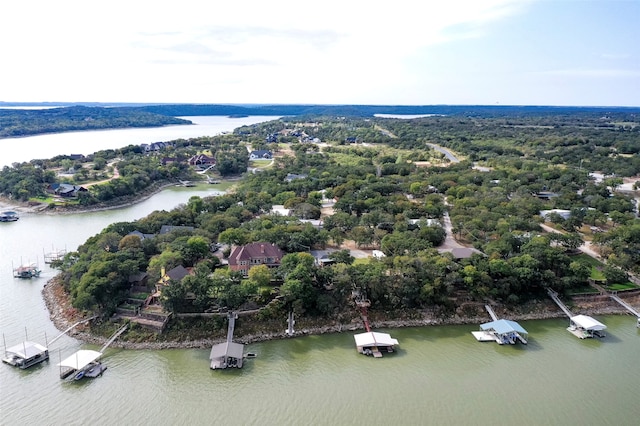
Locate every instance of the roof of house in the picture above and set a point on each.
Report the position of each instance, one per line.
(463, 252)
(261, 153)
(137, 277)
(253, 251)
(141, 235)
(177, 273)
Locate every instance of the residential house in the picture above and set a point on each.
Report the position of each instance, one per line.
(138, 281)
(156, 146)
(242, 258)
(202, 160)
(141, 235)
(261, 154)
(65, 190)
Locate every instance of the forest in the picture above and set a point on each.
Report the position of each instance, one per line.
(388, 186)
(26, 122)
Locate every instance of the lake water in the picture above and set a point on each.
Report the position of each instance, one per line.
(47, 146)
(439, 375)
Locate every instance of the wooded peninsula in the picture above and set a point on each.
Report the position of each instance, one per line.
(340, 183)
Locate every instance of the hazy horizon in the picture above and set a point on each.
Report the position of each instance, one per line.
(459, 52)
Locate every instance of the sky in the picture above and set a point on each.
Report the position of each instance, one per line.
(401, 52)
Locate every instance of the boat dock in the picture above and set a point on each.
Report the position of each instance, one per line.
(290, 322)
(26, 271)
(501, 331)
(54, 256)
(25, 354)
(229, 353)
(85, 362)
(581, 326)
(626, 306)
(372, 343)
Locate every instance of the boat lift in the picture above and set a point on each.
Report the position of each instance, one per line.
(290, 323)
(85, 362)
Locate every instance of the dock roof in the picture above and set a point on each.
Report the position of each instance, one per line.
(227, 349)
(26, 349)
(588, 323)
(503, 326)
(80, 359)
(374, 338)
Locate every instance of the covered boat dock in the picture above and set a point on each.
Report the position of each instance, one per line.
(25, 355)
(83, 363)
(227, 354)
(584, 326)
(505, 332)
(374, 343)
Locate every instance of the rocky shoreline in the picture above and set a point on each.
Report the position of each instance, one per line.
(63, 315)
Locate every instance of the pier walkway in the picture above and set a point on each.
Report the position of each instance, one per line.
(626, 306)
(562, 306)
(492, 314)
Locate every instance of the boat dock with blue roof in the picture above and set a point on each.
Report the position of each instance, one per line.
(502, 331)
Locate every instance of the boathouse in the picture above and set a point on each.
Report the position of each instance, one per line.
(374, 343)
(502, 331)
(226, 355)
(26, 354)
(584, 326)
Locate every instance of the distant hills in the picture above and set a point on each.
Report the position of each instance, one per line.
(61, 117)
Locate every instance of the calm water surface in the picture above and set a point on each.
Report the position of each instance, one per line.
(47, 146)
(439, 376)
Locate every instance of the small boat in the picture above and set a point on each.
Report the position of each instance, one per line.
(9, 216)
(25, 355)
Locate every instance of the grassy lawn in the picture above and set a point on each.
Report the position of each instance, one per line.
(262, 164)
(596, 266)
(618, 287)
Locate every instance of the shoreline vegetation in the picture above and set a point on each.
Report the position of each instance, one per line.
(493, 201)
(63, 316)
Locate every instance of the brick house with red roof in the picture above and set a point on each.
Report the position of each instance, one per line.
(242, 258)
